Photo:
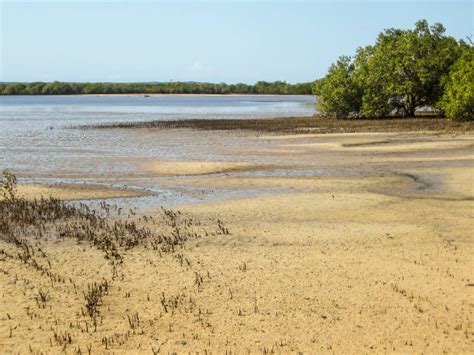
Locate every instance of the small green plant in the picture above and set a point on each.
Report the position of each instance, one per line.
(8, 184)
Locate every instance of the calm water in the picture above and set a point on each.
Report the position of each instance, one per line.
(40, 141)
(27, 112)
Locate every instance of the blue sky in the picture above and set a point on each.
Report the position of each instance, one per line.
(215, 41)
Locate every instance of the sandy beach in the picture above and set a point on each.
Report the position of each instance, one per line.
(369, 252)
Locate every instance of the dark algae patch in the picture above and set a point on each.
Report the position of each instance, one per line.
(306, 125)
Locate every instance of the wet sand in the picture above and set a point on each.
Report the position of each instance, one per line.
(180, 168)
(364, 245)
(73, 192)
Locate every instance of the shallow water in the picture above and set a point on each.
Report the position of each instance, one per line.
(40, 141)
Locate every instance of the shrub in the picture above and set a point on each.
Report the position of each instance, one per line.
(339, 95)
(458, 98)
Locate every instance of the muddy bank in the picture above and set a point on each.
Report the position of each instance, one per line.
(307, 125)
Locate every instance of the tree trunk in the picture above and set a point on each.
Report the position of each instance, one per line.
(410, 106)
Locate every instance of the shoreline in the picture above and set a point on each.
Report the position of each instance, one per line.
(158, 95)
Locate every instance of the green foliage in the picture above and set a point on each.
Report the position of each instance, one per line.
(60, 88)
(14, 89)
(8, 185)
(458, 98)
(401, 72)
(339, 95)
(56, 88)
(316, 88)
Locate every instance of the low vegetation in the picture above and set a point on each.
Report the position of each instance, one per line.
(52, 218)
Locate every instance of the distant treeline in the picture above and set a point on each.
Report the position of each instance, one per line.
(64, 88)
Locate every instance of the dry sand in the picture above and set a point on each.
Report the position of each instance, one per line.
(376, 260)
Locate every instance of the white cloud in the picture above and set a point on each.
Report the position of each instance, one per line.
(197, 67)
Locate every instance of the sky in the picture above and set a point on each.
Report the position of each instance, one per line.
(211, 41)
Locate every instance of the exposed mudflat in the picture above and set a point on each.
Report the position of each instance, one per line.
(338, 243)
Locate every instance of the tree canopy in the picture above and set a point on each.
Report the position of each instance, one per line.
(403, 71)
